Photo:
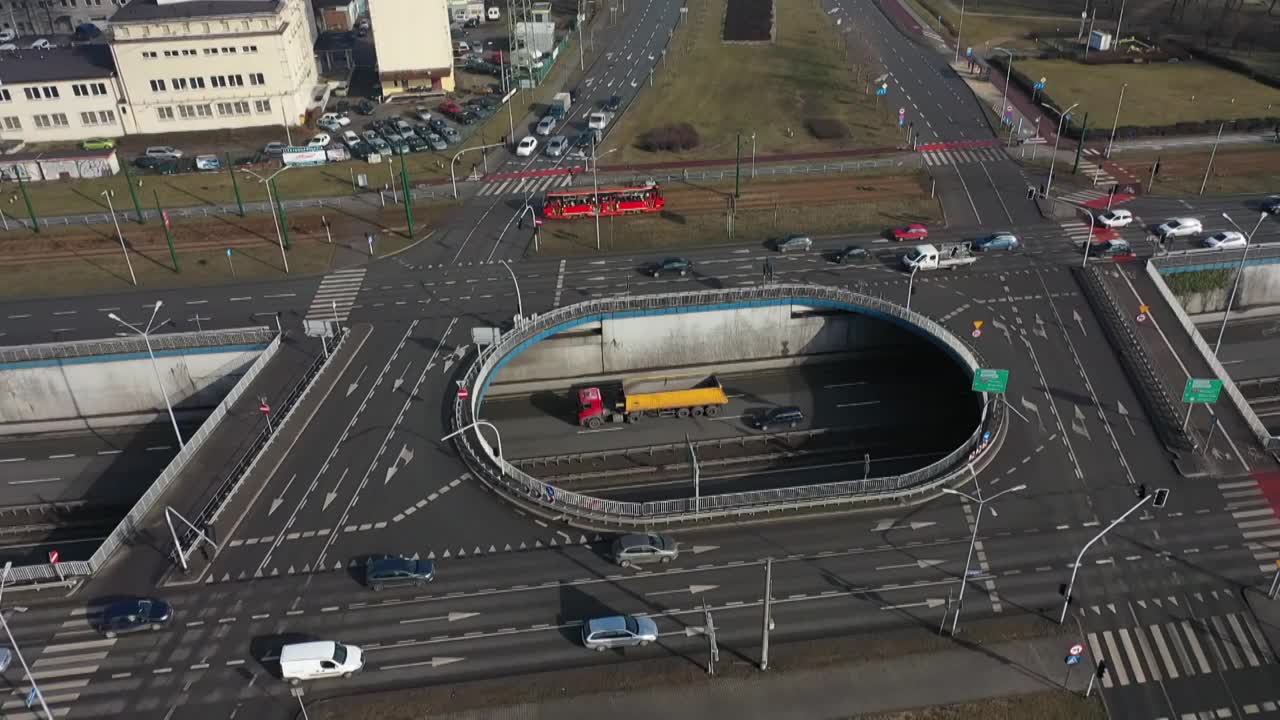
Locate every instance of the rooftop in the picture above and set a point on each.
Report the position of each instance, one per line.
(150, 10)
(73, 63)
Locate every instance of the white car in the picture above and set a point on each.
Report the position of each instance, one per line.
(1226, 240)
(597, 120)
(8, 46)
(1179, 227)
(342, 89)
(350, 138)
(423, 114)
(341, 120)
(8, 35)
(527, 147)
(546, 126)
(1115, 218)
(41, 44)
(162, 151)
(319, 141)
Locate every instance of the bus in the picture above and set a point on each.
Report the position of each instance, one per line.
(567, 205)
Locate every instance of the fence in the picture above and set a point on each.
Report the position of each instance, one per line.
(1177, 261)
(506, 477)
(134, 344)
(124, 532)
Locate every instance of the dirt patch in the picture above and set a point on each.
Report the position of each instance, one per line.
(748, 21)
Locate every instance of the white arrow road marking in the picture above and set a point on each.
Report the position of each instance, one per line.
(699, 549)
(1124, 412)
(404, 457)
(330, 496)
(884, 525)
(434, 662)
(693, 630)
(921, 564)
(451, 617)
(431, 362)
(356, 383)
(692, 590)
(275, 504)
(1079, 321)
(929, 603)
(395, 385)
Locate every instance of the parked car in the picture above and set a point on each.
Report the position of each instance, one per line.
(546, 126)
(1179, 227)
(634, 549)
(671, 266)
(350, 138)
(366, 107)
(618, 631)
(450, 135)
(8, 46)
(996, 241)
(437, 143)
(613, 104)
(556, 146)
(319, 141)
(342, 89)
(1226, 240)
(208, 162)
(404, 129)
(422, 113)
(788, 415)
(799, 243)
(527, 146)
(329, 124)
(369, 136)
(86, 32)
(392, 572)
(8, 35)
(417, 144)
(42, 44)
(127, 616)
(468, 117)
(1271, 205)
(341, 120)
(851, 252)
(98, 144)
(914, 231)
(1108, 248)
(274, 149)
(162, 165)
(162, 151)
(449, 108)
(1115, 218)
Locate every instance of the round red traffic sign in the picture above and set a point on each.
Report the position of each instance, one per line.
(1142, 317)
(977, 333)
(264, 408)
(1076, 649)
(463, 393)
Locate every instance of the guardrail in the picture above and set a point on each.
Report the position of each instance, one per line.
(124, 533)
(740, 441)
(134, 344)
(1251, 419)
(507, 478)
(1260, 389)
(1176, 261)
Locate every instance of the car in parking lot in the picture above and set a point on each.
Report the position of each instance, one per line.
(1226, 240)
(162, 151)
(1114, 247)
(450, 135)
(98, 144)
(468, 117)
(449, 108)
(556, 146)
(389, 572)
(997, 241)
(527, 146)
(914, 231)
(1179, 227)
(8, 35)
(161, 165)
(788, 415)
(404, 129)
(437, 143)
(366, 107)
(613, 104)
(379, 145)
(274, 149)
(369, 135)
(618, 631)
(850, 252)
(793, 243)
(350, 138)
(638, 548)
(422, 113)
(417, 144)
(546, 125)
(134, 614)
(319, 141)
(670, 266)
(1115, 218)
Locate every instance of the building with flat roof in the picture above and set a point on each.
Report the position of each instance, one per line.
(60, 94)
(44, 17)
(338, 15)
(189, 65)
(413, 44)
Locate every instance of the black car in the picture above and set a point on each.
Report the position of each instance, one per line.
(366, 107)
(852, 252)
(613, 103)
(1108, 248)
(468, 117)
(1271, 205)
(126, 616)
(788, 415)
(417, 144)
(398, 572)
(163, 166)
(437, 125)
(675, 265)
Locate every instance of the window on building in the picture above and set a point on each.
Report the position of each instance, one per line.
(262, 106)
(257, 79)
(88, 118)
(42, 121)
(197, 83)
(179, 83)
(171, 53)
(12, 122)
(188, 52)
(157, 86)
(164, 112)
(107, 117)
(50, 92)
(218, 81)
(235, 80)
(4, 95)
(229, 51)
(87, 89)
(149, 55)
(250, 48)
(59, 119)
(211, 51)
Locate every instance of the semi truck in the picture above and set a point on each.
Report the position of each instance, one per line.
(933, 257)
(665, 397)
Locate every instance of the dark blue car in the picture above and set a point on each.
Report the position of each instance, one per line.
(126, 616)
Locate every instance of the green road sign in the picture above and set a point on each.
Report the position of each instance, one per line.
(1201, 391)
(990, 380)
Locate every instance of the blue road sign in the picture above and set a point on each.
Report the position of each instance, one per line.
(228, 252)
(968, 52)
(882, 91)
(1039, 86)
(1073, 659)
(551, 493)
(32, 697)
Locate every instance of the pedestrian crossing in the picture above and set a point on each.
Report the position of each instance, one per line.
(1184, 645)
(963, 156)
(61, 671)
(525, 186)
(1096, 173)
(1251, 509)
(336, 294)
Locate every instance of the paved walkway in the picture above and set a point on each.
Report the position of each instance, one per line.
(954, 676)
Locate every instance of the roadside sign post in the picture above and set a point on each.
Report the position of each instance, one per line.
(1275, 583)
(231, 264)
(1199, 390)
(1143, 312)
(990, 380)
(768, 619)
(54, 559)
(265, 409)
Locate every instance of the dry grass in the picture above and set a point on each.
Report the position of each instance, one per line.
(1048, 705)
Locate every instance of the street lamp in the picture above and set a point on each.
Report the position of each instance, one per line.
(146, 338)
(911, 279)
(274, 218)
(484, 423)
(1248, 243)
(455, 159)
(1066, 600)
(959, 29)
(519, 302)
(1008, 71)
(1062, 116)
(1115, 123)
(977, 518)
(753, 154)
(1088, 242)
(4, 580)
(115, 221)
(595, 184)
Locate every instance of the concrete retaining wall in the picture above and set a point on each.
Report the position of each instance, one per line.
(113, 390)
(779, 333)
(1259, 287)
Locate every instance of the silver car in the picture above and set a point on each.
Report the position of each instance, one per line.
(546, 125)
(556, 146)
(630, 550)
(618, 631)
(801, 243)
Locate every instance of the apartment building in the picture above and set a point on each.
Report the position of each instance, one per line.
(43, 17)
(190, 65)
(413, 44)
(59, 95)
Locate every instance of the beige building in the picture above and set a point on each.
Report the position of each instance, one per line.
(413, 44)
(188, 65)
(59, 95)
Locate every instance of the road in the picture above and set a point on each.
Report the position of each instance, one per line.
(1249, 347)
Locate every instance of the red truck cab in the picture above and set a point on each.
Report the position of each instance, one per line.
(590, 405)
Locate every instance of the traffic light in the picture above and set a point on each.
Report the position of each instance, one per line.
(1142, 491)
(1162, 496)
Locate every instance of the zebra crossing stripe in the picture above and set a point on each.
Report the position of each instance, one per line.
(1145, 646)
(1233, 654)
(1121, 676)
(1096, 649)
(1243, 640)
(1194, 644)
(1171, 670)
(1267, 656)
(1139, 677)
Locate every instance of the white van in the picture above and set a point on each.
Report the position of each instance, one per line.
(493, 13)
(597, 120)
(320, 659)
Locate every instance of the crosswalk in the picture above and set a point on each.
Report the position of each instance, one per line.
(1184, 645)
(61, 670)
(524, 186)
(336, 294)
(1096, 173)
(963, 156)
(1257, 520)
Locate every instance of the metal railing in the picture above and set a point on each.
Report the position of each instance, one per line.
(134, 344)
(1176, 261)
(506, 477)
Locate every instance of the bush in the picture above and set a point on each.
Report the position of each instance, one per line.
(826, 128)
(681, 136)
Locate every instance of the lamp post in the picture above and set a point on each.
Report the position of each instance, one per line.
(911, 279)
(1076, 567)
(595, 186)
(753, 154)
(484, 423)
(452, 177)
(274, 217)
(1088, 242)
(1057, 138)
(4, 579)
(1248, 243)
(146, 338)
(519, 302)
(115, 221)
(977, 518)
(959, 29)
(1008, 71)
(1116, 123)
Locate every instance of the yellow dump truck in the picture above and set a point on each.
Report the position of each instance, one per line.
(650, 397)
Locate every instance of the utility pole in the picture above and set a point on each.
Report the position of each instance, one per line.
(1084, 127)
(128, 177)
(284, 219)
(768, 618)
(31, 211)
(235, 185)
(164, 221)
(1213, 153)
(737, 172)
(408, 196)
